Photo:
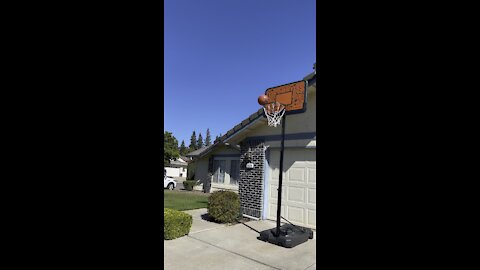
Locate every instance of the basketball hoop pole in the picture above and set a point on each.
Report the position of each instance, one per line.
(280, 178)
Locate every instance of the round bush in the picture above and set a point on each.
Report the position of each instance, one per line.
(176, 223)
(224, 206)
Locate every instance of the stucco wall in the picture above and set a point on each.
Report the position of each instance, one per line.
(201, 170)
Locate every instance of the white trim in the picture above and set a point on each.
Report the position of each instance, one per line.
(250, 217)
(266, 174)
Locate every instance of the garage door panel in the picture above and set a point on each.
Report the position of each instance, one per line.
(296, 214)
(312, 196)
(299, 186)
(275, 174)
(274, 192)
(312, 218)
(296, 194)
(272, 214)
(312, 175)
(296, 175)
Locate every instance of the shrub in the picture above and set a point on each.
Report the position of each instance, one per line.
(224, 206)
(189, 184)
(176, 223)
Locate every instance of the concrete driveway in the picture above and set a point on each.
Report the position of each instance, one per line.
(216, 246)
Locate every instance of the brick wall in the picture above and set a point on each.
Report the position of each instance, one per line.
(251, 180)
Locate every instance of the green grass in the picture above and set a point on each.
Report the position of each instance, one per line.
(184, 200)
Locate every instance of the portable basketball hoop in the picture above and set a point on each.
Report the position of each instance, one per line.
(274, 112)
(277, 103)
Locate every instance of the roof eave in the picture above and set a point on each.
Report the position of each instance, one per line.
(232, 133)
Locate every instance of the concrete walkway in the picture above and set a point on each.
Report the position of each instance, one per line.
(217, 246)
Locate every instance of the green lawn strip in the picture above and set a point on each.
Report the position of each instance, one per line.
(184, 200)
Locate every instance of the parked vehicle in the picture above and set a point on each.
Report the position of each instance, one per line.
(169, 182)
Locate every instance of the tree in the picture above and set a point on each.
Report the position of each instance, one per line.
(208, 139)
(183, 149)
(170, 148)
(193, 142)
(200, 141)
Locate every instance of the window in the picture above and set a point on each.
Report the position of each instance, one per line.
(219, 167)
(234, 172)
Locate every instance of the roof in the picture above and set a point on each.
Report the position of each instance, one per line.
(178, 162)
(205, 150)
(198, 151)
(310, 78)
(184, 158)
(254, 116)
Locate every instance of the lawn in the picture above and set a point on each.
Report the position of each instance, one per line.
(184, 200)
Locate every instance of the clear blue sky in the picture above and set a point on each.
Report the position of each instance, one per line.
(220, 55)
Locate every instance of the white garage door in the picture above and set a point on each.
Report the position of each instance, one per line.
(173, 172)
(298, 186)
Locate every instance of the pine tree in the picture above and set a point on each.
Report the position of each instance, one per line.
(183, 149)
(200, 141)
(170, 148)
(208, 140)
(193, 142)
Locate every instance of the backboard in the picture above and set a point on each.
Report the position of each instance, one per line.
(292, 95)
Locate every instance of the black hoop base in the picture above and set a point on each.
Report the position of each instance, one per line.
(289, 236)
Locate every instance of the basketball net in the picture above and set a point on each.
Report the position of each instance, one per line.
(274, 112)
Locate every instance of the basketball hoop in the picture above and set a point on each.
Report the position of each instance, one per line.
(274, 112)
(279, 101)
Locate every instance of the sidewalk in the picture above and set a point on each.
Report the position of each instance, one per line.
(217, 246)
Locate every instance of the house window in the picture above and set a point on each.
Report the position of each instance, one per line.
(219, 167)
(234, 172)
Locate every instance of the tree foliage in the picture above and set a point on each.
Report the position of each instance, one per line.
(193, 142)
(183, 149)
(200, 141)
(208, 139)
(170, 148)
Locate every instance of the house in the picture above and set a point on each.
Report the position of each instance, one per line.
(222, 166)
(178, 167)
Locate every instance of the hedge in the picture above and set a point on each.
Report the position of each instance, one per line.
(224, 206)
(176, 223)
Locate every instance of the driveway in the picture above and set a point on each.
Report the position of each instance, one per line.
(216, 246)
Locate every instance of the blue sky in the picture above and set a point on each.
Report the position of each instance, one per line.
(220, 55)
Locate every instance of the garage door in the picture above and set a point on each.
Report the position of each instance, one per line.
(298, 186)
(172, 172)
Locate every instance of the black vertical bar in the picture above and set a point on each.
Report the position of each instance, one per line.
(280, 177)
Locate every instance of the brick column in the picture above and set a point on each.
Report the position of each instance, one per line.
(251, 180)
